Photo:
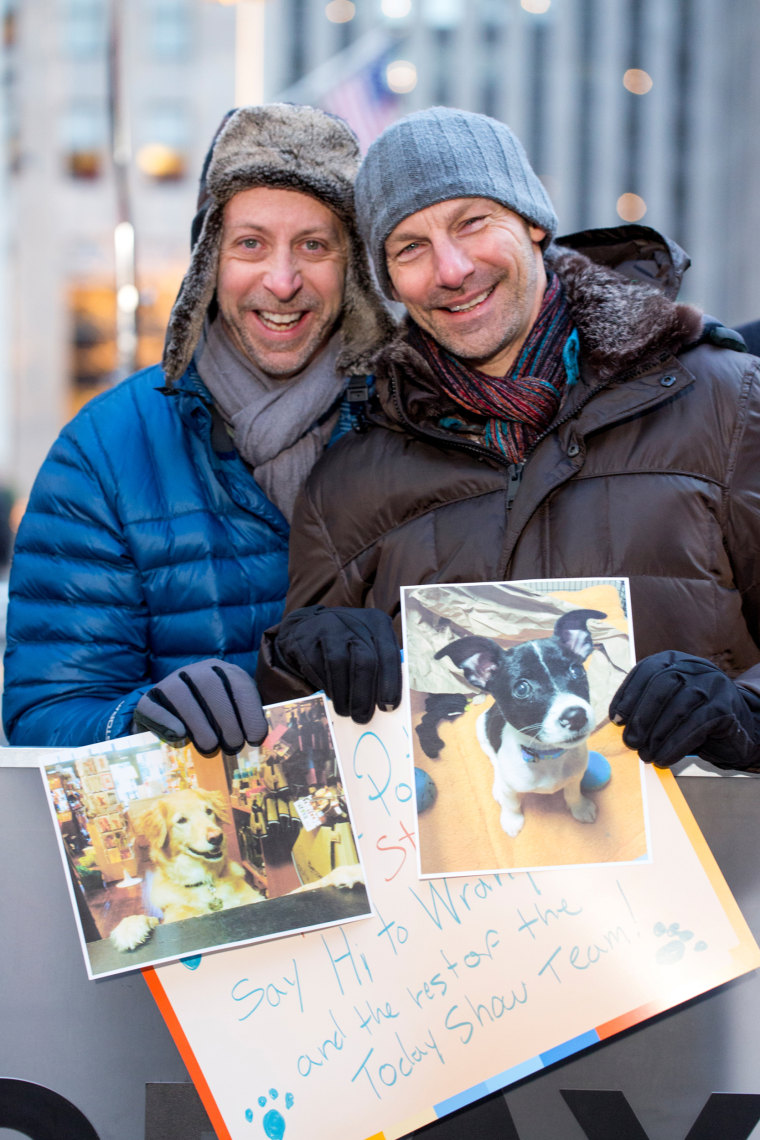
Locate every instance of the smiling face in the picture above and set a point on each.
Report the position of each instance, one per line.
(187, 824)
(471, 273)
(282, 268)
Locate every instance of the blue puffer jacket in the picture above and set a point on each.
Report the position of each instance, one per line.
(141, 550)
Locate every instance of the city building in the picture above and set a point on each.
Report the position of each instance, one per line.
(633, 110)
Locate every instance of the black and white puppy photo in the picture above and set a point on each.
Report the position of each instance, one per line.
(535, 733)
(517, 765)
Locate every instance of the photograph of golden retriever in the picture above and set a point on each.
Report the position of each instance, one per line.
(156, 836)
(192, 871)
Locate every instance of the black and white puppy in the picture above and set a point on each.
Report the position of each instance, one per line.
(535, 732)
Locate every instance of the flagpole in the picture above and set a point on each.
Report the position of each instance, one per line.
(127, 296)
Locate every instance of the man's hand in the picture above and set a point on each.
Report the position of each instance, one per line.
(675, 705)
(211, 704)
(352, 654)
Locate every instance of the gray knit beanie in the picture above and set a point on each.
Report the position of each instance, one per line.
(438, 154)
(287, 147)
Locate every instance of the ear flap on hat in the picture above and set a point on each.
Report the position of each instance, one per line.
(194, 297)
(288, 147)
(367, 324)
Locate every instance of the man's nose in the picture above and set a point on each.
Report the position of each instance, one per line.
(452, 264)
(283, 276)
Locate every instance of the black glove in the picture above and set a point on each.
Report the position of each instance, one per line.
(675, 705)
(352, 654)
(212, 704)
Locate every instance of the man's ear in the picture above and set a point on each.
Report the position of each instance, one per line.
(536, 233)
(395, 294)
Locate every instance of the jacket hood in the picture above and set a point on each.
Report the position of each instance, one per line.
(287, 147)
(637, 252)
(621, 285)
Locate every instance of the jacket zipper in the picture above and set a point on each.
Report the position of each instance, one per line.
(515, 473)
(514, 470)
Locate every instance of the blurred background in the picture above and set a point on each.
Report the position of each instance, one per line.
(636, 110)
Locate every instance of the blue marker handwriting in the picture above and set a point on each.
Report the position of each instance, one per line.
(445, 899)
(348, 966)
(373, 1015)
(372, 763)
(458, 1020)
(542, 916)
(272, 994)
(319, 1055)
(583, 957)
(401, 1061)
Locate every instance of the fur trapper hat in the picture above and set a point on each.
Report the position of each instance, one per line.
(289, 147)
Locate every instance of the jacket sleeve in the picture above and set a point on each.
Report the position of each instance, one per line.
(76, 657)
(314, 577)
(742, 505)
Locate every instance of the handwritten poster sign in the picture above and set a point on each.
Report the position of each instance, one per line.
(455, 987)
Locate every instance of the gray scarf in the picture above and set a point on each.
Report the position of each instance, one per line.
(273, 423)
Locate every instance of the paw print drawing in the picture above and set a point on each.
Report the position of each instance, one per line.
(273, 1122)
(674, 949)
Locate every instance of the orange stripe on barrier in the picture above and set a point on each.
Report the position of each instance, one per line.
(626, 1020)
(186, 1052)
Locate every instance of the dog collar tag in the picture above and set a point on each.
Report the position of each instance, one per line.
(215, 904)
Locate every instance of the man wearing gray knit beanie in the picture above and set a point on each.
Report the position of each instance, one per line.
(470, 175)
(548, 410)
(157, 529)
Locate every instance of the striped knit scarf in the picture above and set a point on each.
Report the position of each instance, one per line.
(517, 407)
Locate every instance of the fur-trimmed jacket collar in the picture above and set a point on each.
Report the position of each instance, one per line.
(621, 302)
(622, 323)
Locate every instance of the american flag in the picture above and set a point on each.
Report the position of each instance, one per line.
(364, 100)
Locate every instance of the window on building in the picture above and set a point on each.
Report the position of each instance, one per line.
(84, 139)
(297, 54)
(444, 71)
(92, 339)
(10, 138)
(495, 13)
(169, 29)
(84, 28)
(9, 17)
(491, 67)
(164, 140)
(92, 357)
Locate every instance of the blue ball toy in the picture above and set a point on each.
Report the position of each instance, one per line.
(425, 789)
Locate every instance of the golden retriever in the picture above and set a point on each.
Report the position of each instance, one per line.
(193, 874)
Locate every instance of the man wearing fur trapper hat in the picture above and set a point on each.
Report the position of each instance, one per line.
(549, 410)
(153, 552)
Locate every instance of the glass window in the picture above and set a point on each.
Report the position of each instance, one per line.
(83, 28)
(169, 29)
(9, 17)
(84, 138)
(163, 141)
(443, 14)
(92, 338)
(495, 13)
